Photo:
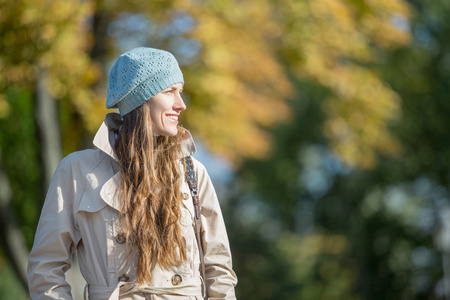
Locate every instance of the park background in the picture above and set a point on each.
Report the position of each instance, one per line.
(324, 125)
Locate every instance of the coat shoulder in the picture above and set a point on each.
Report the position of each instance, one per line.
(199, 167)
(84, 160)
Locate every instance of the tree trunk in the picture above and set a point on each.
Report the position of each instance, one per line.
(47, 127)
(12, 239)
(100, 32)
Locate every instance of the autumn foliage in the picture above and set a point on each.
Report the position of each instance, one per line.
(240, 78)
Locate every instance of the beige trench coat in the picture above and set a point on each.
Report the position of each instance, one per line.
(81, 213)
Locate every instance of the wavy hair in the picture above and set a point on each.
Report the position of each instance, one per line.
(150, 193)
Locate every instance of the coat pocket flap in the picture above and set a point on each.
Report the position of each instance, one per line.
(100, 191)
(91, 200)
(91, 204)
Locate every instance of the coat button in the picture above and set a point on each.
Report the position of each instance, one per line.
(176, 279)
(185, 196)
(120, 238)
(124, 277)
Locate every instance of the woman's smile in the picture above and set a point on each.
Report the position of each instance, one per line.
(173, 118)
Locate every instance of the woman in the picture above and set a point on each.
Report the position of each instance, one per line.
(126, 207)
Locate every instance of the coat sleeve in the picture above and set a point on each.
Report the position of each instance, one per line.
(220, 277)
(55, 240)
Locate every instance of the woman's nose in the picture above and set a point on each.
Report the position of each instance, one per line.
(179, 104)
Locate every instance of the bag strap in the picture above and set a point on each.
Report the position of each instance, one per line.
(191, 178)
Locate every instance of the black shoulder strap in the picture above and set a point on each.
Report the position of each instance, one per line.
(191, 178)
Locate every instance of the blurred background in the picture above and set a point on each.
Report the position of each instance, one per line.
(324, 125)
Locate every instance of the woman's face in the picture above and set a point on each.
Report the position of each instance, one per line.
(165, 108)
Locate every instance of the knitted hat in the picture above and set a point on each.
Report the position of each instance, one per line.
(138, 75)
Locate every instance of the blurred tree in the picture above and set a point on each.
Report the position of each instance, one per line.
(334, 42)
(386, 217)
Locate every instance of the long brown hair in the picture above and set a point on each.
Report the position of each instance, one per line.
(150, 193)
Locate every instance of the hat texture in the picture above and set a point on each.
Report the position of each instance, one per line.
(138, 75)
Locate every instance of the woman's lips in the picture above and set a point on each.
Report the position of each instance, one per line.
(173, 118)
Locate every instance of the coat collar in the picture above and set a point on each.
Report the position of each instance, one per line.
(105, 140)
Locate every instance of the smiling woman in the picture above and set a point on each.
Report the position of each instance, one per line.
(140, 230)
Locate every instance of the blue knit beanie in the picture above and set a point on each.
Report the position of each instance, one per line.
(138, 75)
